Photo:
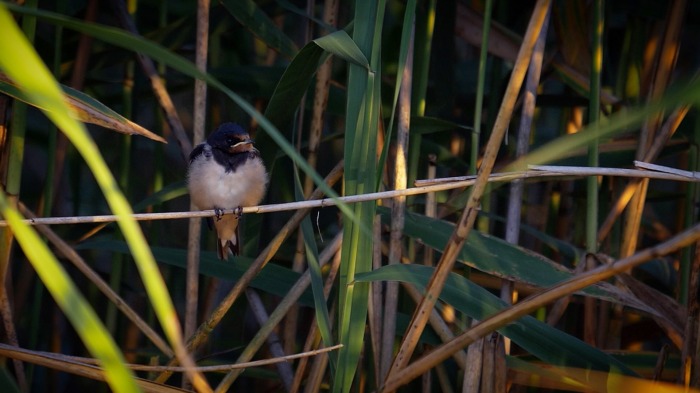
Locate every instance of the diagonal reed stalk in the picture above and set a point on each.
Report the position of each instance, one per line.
(422, 313)
(534, 302)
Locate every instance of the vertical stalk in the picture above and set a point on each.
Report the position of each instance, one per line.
(195, 224)
(321, 90)
(593, 117)
(361, 130)
(523, 138)
(425, 25)
(693, 198)
(480, 83)
(398, 207)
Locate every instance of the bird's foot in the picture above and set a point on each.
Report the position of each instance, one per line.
(218, 213)
(238, 212)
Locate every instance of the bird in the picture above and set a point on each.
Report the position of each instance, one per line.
(226, 172)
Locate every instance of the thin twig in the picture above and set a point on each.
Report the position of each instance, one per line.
(157, 83)
(423, 187)
(29, 355)
(71, 255)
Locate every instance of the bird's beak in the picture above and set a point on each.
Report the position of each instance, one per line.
(242, 146)
(242, 143)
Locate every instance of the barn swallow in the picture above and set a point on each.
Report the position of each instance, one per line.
(226, 172)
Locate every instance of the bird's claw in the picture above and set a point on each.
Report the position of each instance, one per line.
(218, 213)
(238, 212)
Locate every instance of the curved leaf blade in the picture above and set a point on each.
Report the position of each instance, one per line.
(543, 341)
(85, 109)
(499, 258)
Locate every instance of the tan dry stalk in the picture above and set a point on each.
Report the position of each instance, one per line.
(424, 187)
(398, 212)
(81, 367)
(532, 303)
(195, 224)
(70, 254)
(157, 83)
(454, 245)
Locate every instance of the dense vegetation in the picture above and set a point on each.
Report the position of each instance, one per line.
(545, 238)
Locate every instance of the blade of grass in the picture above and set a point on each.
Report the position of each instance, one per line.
(593, 117)
(480, 83)
(40, 86)
(320, 303)
(361, 132)
(83, 318)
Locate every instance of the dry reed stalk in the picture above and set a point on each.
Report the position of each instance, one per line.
(69, 253)
(398, 212)
(157, 83)
(454, 245)
(424, 186)
(195, 224)
(532, 303)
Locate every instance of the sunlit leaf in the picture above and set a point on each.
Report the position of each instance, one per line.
(85, 109)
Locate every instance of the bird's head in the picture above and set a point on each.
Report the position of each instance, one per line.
(231, 138)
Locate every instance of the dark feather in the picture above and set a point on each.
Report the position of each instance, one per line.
(196, 152)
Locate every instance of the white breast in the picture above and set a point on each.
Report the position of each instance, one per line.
(211, 187)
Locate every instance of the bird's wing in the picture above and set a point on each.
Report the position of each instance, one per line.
(196, 152)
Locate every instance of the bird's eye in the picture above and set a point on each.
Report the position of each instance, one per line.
(230, 141)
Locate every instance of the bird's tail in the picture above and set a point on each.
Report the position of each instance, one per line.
(224, 248)
(227, 232)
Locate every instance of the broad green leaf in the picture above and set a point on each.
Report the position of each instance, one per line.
(299, 74)
(360, 152)
(543, 341)
(85, 109)
(273, 279)
(497, 257)
(293, 85)
(341, 45)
